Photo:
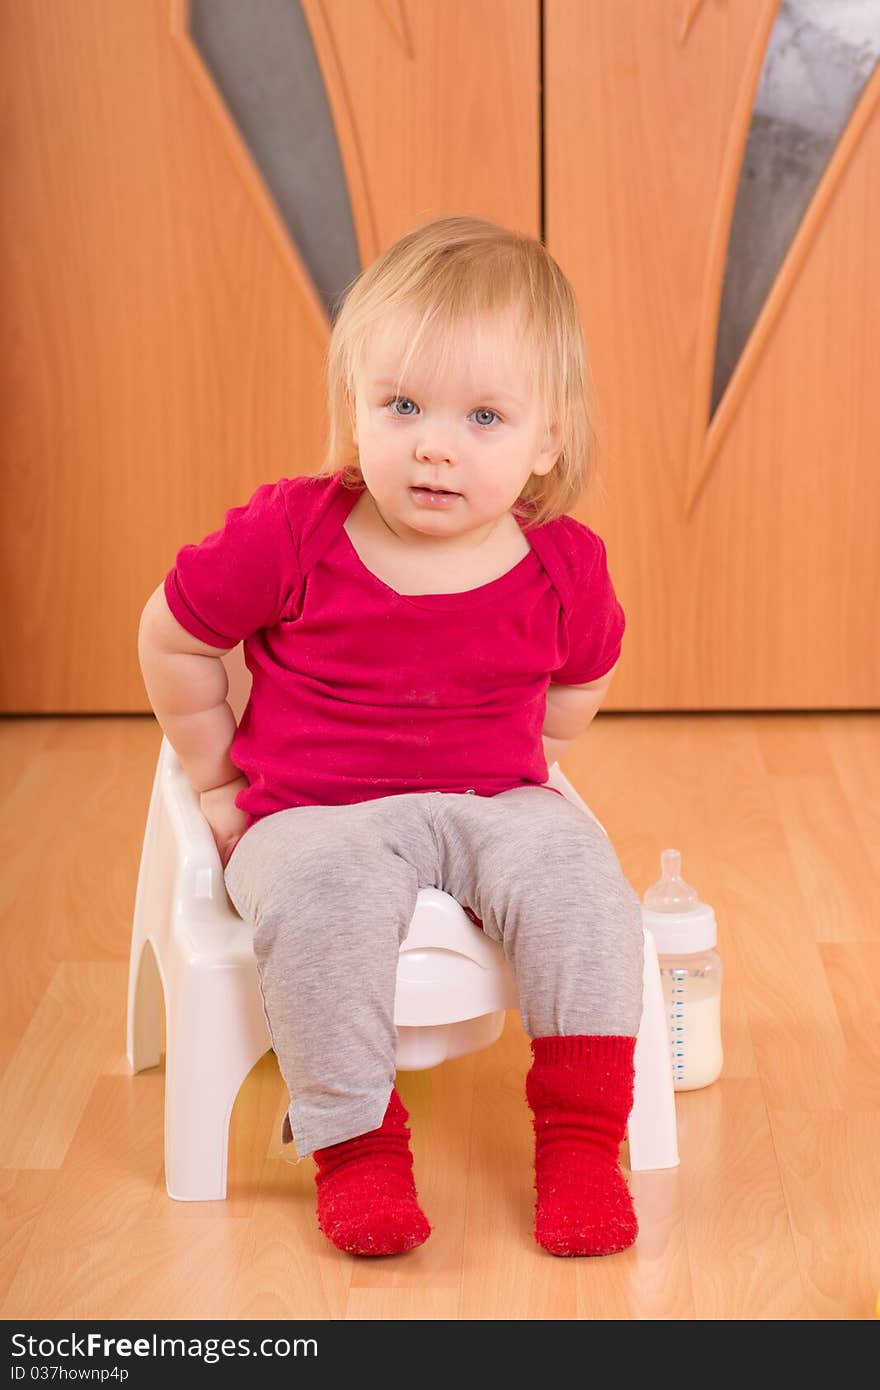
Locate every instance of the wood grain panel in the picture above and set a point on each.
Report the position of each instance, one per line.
(162, 342)
(454, 125)
(735, 1228)
(748, 555)
(165, 359)
(771, 1214)
(829, 1165)
(40, 1120)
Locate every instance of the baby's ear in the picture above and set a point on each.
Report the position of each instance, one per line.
(551, 448)
(553, 439)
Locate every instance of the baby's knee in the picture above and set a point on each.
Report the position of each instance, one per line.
(580, 865)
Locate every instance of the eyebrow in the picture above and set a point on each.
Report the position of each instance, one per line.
(482, 395)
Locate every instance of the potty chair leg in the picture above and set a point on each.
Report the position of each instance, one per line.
(652, 1132)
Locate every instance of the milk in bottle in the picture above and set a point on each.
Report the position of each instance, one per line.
(685, 933)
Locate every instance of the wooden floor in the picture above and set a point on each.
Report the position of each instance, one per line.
(773, 1213)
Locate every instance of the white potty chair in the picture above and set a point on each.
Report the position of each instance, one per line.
(453, 987)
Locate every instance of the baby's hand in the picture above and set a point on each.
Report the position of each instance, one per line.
(228, 823)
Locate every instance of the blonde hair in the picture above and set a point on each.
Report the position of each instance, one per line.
(450, 273)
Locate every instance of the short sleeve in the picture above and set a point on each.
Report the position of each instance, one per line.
(239, 578)
(596, 620)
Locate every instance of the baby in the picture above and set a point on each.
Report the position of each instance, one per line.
(426, 629)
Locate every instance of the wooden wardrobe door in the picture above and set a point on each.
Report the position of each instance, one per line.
(163, 335)
(745, 543)
(164, 327)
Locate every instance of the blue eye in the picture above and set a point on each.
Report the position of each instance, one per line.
(405, 400)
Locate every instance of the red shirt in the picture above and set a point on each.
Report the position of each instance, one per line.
(360, 692)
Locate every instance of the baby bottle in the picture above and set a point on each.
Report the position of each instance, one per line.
(685, 934)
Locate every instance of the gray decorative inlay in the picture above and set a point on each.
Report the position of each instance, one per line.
(820, 55)
(261, 57)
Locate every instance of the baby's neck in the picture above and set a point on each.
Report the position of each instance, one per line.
(415, 567)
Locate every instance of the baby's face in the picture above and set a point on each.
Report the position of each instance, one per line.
(477, 431)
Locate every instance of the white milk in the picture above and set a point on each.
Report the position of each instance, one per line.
(685, 933)
(693, 1012)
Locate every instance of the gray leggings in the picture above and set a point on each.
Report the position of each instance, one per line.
(331, 892)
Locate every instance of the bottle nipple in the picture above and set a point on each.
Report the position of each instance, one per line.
(670, 893)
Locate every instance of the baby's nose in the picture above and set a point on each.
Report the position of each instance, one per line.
(435, 453)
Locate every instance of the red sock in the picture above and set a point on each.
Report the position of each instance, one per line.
(367, 1203)
(580, 1089)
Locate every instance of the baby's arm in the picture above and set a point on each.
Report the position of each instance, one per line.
(187, 687)
(570, 710)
